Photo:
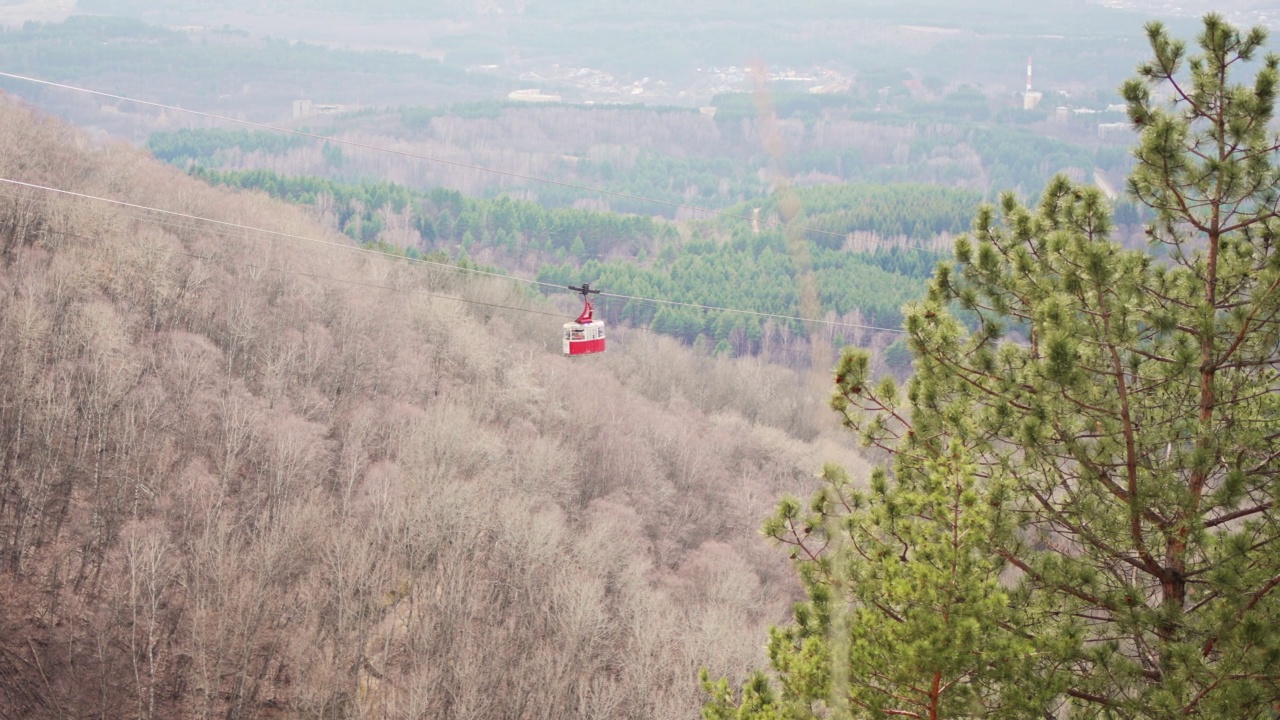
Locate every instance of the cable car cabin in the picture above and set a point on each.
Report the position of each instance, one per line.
(585, 335)
(583, 338)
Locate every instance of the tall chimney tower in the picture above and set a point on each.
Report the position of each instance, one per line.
(1030, 98)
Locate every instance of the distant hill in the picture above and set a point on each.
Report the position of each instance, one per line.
(251, 478)
(981, 40)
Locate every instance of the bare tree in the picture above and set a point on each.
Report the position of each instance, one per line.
(149, 574)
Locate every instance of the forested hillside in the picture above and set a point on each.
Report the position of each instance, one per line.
(248, 478)
(672, 155)
(725, 265)
(974, 41)
(222, 68)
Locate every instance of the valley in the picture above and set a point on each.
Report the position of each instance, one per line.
(940, 379)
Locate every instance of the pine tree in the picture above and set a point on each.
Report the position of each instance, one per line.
(1119, 409)
(905, 614)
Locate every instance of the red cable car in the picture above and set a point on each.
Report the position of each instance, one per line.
(586, 334)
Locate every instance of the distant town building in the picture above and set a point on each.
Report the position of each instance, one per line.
(839, 86)
(1112, 130)
(307, 108)
(533, 95)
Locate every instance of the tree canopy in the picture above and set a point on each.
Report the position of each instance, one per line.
(1107, 419)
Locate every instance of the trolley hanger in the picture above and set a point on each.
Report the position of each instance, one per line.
(588, 310)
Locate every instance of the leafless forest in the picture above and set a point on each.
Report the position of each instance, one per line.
(552, 141)
(243, 478)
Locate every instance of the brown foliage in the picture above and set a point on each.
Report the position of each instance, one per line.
(229, 489)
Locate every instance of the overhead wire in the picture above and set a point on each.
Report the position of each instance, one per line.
(264, 231)
(224, 225)
(316, 276)
(779, 224)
